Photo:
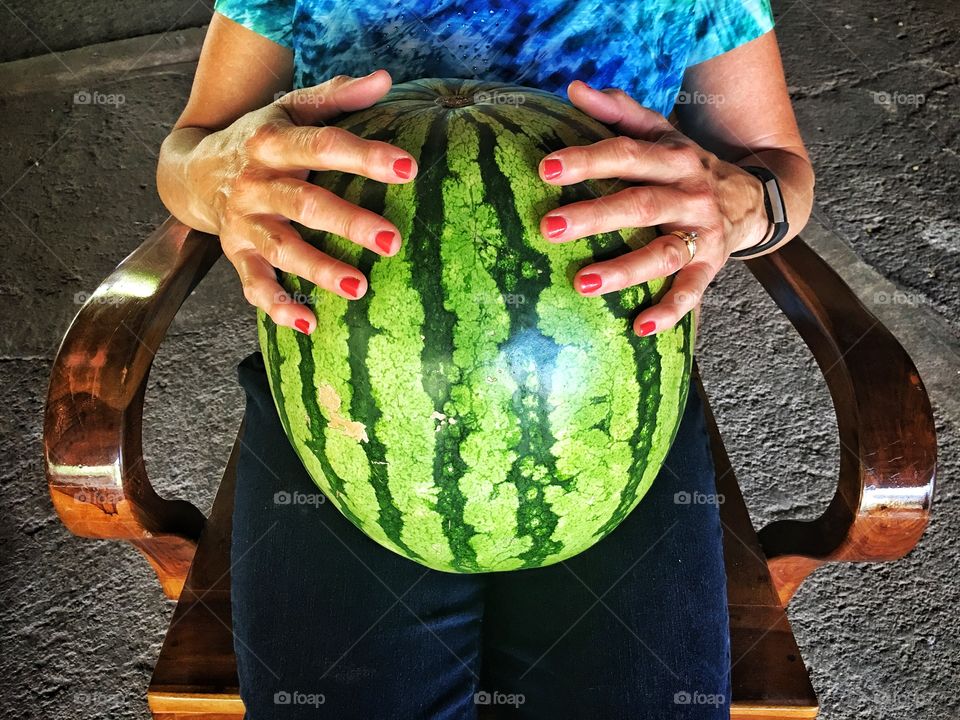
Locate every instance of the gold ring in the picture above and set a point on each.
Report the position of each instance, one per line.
(689, 239)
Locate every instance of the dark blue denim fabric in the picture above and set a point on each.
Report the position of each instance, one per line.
(328, 623)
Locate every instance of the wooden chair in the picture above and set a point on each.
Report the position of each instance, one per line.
(92, 443)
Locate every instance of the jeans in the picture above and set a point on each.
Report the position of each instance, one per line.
(327, 623)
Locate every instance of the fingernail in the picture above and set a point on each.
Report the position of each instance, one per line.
(646, 328)
(303, 326)
(556, 225)
(349, 285)
(590, 282)
(385, 240)
(402, 167)
(552, 168)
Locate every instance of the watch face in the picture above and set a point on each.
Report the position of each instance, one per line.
(776, 212)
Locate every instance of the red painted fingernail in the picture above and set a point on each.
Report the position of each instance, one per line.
(385, 240)
(402, 167)
(590, 282)
(552, 168)
(349, 285)
(646, 328)
(303, 326)
(556, 225)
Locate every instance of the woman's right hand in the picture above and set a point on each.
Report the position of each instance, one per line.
(247, 181)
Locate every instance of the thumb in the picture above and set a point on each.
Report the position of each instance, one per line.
(319, 103)
(617, 109)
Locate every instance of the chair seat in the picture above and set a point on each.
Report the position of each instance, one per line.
(196, 674)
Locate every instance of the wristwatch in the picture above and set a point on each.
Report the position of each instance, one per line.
(776, 212)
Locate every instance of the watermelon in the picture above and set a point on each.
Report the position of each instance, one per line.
(473, 412)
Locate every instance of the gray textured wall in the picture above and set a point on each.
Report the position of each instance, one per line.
(82, 621)
(33, 28)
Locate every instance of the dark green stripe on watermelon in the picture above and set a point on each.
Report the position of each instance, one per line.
(448, 466)
(337, 182)
(363, 409)
(317, 444)
(273, 362)
(518, 273)
(648, 366)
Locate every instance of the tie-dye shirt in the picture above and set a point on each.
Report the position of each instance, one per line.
(641, 46)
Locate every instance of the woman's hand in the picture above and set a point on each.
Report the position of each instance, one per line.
(246, 183)
(684, 187)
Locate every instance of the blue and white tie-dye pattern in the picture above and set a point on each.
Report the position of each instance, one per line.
(641, 46)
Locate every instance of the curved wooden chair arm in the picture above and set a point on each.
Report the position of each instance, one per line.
(92, 423)
(887, 436)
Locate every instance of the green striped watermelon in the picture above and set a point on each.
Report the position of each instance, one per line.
(472, 412)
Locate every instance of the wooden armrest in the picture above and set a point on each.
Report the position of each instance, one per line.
(91, 434)
(888, 441)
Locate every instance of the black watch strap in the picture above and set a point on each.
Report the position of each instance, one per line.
(776, 212)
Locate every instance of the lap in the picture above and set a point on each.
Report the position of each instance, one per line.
(323, 612)
(627, 627)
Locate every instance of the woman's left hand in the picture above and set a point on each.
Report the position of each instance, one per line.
(684, 187)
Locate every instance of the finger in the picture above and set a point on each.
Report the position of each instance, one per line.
(318, 208)
(661, 161)
(683, 296)
(330, 148)
(638, 206)
(281, 246)
(261, 289)
(662, 257)
(319, 103)
(616, 108)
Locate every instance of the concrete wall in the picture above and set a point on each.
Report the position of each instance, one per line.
(31, 28)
